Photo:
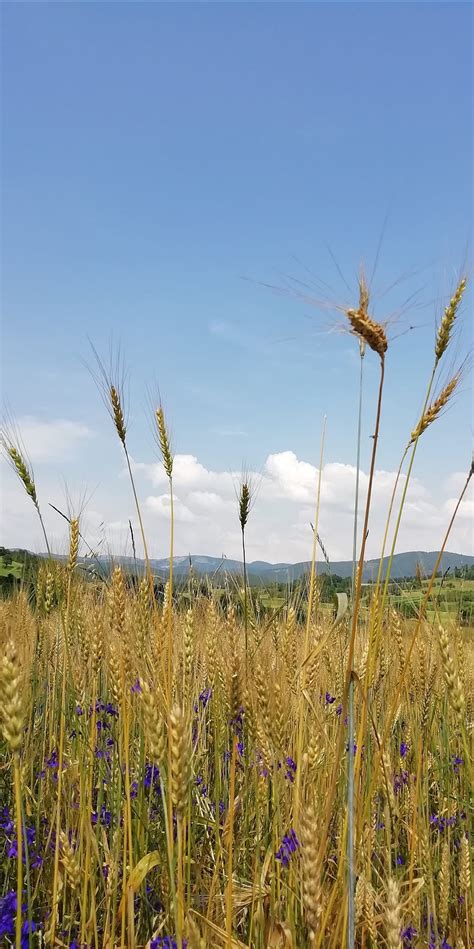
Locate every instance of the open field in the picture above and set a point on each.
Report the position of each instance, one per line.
(227, 813)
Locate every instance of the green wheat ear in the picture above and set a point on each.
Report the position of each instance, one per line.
(244, 503)
(164, 441)
(24, 473)
(446, 326)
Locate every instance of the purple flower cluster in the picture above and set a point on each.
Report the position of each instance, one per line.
(199, 706)
(8, 904)
(204, 698)
(103, 816)
(151, 777)
(166, 942)
(289, 845)
(400, 781)
(290, 768)
(408, 936)
(440, 823)
(28, 843)
(105, 708)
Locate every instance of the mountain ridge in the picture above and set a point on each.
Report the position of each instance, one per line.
(404, 565)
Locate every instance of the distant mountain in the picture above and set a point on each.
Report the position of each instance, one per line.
(404, 565)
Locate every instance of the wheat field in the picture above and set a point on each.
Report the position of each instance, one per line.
(179, 775)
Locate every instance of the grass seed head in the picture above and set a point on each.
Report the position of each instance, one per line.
(364, 327)
(11, 708)
(180, 759)
(445, 327)
(393, 920)
(73, 544)
(154, 729)
(117, 413)
(434, 410)
(20, 466)
(164, 442)
(311, 876)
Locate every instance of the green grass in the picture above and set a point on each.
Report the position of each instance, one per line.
(15, 568)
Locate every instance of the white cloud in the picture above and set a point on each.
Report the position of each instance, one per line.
(161, 505)
(206, 509)
(456, 482)
(290, 477)
(48, 441)
(206, 501)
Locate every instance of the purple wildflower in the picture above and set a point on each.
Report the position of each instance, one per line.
(408, 936)
(53, 760)
(152, 777)
(204, 697)
(7, 914)
(103, 817)
(289, 845)
(400, 780)
(166, 942)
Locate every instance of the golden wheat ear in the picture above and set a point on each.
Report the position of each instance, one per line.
(434, 410)
(363, 326)
(11, 706)
(111, 385)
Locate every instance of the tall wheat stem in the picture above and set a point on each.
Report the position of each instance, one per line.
(350, 658)
(404, 670)
(19, 859)
(246, 619)
(62, 723)
(402, 504)
(170, 610)
(376, 617)
(48, 548)
(350, 763)
(140, 521)
(312, 584)
(230, 854)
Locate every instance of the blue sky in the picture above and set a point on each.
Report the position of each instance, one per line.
(161, 162)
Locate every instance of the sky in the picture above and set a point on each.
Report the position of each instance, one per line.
(197, 185)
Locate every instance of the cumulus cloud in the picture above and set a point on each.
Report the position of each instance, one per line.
(50, 441)
(279, 525)
(161, 505)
